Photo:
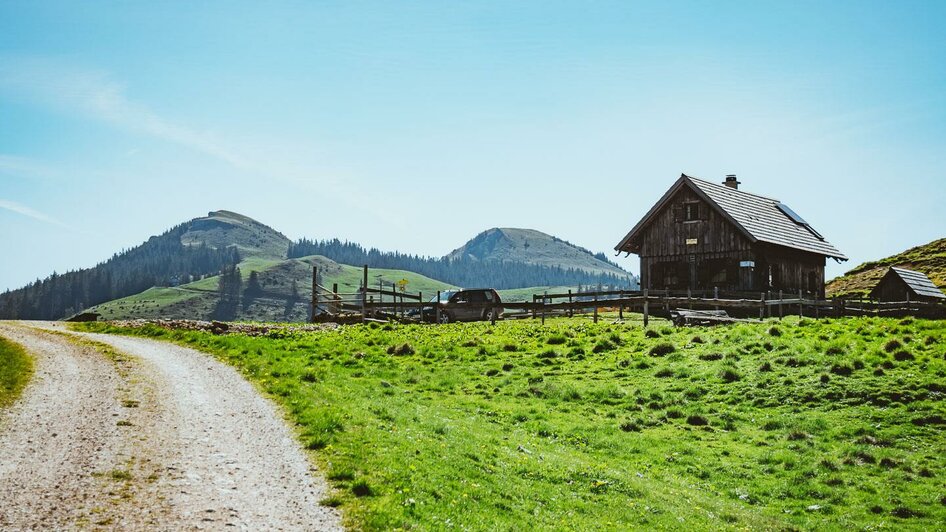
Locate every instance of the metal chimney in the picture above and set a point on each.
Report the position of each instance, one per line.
(731, 181)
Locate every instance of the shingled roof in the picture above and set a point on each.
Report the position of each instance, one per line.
(918, 282)
(761, 219)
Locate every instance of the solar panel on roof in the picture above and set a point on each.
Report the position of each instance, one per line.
(791, 214)
(798, 219)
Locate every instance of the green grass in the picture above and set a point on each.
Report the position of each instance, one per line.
(811, 424)
(16, 368)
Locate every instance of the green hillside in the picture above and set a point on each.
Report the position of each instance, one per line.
(198, 300)
(533, 247)
(929, 259)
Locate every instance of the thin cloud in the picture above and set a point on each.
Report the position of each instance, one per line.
(25, 168)
(94, 94)
(23, 210)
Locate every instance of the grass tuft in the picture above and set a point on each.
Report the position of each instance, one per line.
(16, 368)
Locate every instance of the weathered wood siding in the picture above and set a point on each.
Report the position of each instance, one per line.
(664, 247)
(790, 270)
(665, 236)
(705, 253)
(892, 288)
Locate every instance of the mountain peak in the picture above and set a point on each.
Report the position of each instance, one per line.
(533, 247)
(227, 228)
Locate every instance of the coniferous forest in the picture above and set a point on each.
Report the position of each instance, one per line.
(161, 261)
(460, 272)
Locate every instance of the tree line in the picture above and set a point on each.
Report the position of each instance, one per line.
(459, 271)
(161, 261)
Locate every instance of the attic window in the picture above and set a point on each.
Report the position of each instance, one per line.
(798, 219)
(691, 211)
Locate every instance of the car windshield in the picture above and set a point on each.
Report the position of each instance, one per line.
(444, 296)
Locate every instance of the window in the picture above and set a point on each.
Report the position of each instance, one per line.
(691, 211)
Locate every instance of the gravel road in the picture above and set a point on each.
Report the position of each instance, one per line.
(147, 435)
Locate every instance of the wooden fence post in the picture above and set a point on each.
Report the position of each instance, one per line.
(535, 298)
(645, 307)
(315, 291)
(364, 294)
(436, 309)
(571, 309)
(544, 296)
(762, 306)
(596, 307)
(716, 297)
(801, 309)
(780, 298)
(336, 304)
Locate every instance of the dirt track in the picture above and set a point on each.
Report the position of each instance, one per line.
(150, 435)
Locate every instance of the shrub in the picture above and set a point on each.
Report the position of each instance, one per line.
(401, 350)
(663, 349)
(903, 355)
(842, 369)
(663, 373)
(892, 346)
(697, 420)
(361, 488)
(602, 346)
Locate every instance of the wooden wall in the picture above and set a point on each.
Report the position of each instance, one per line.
(892, 288)
(707, 253)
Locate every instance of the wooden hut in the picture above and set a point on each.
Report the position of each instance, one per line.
(702, 235)
(901, 284)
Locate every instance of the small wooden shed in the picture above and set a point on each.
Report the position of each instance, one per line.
(901, 284)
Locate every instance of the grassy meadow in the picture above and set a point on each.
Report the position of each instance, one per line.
(797, 424)
(16, 367)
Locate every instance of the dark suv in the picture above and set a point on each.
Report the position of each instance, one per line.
(471, 304)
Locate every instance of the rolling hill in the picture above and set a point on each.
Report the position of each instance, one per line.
(928, 258)
(533, 247)
(177, 274)
(285, 296)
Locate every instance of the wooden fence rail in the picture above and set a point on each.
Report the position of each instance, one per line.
(370, 302)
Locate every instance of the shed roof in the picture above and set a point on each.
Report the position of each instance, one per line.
(918, 282)
(758, 217)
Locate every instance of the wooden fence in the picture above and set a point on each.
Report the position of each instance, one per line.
(368, 303)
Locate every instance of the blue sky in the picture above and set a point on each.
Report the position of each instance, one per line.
(416, 125)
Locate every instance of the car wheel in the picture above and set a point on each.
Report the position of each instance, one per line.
(445, 317)
(488, 314)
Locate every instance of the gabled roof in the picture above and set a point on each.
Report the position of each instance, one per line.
(759, 218)
(918, 282)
